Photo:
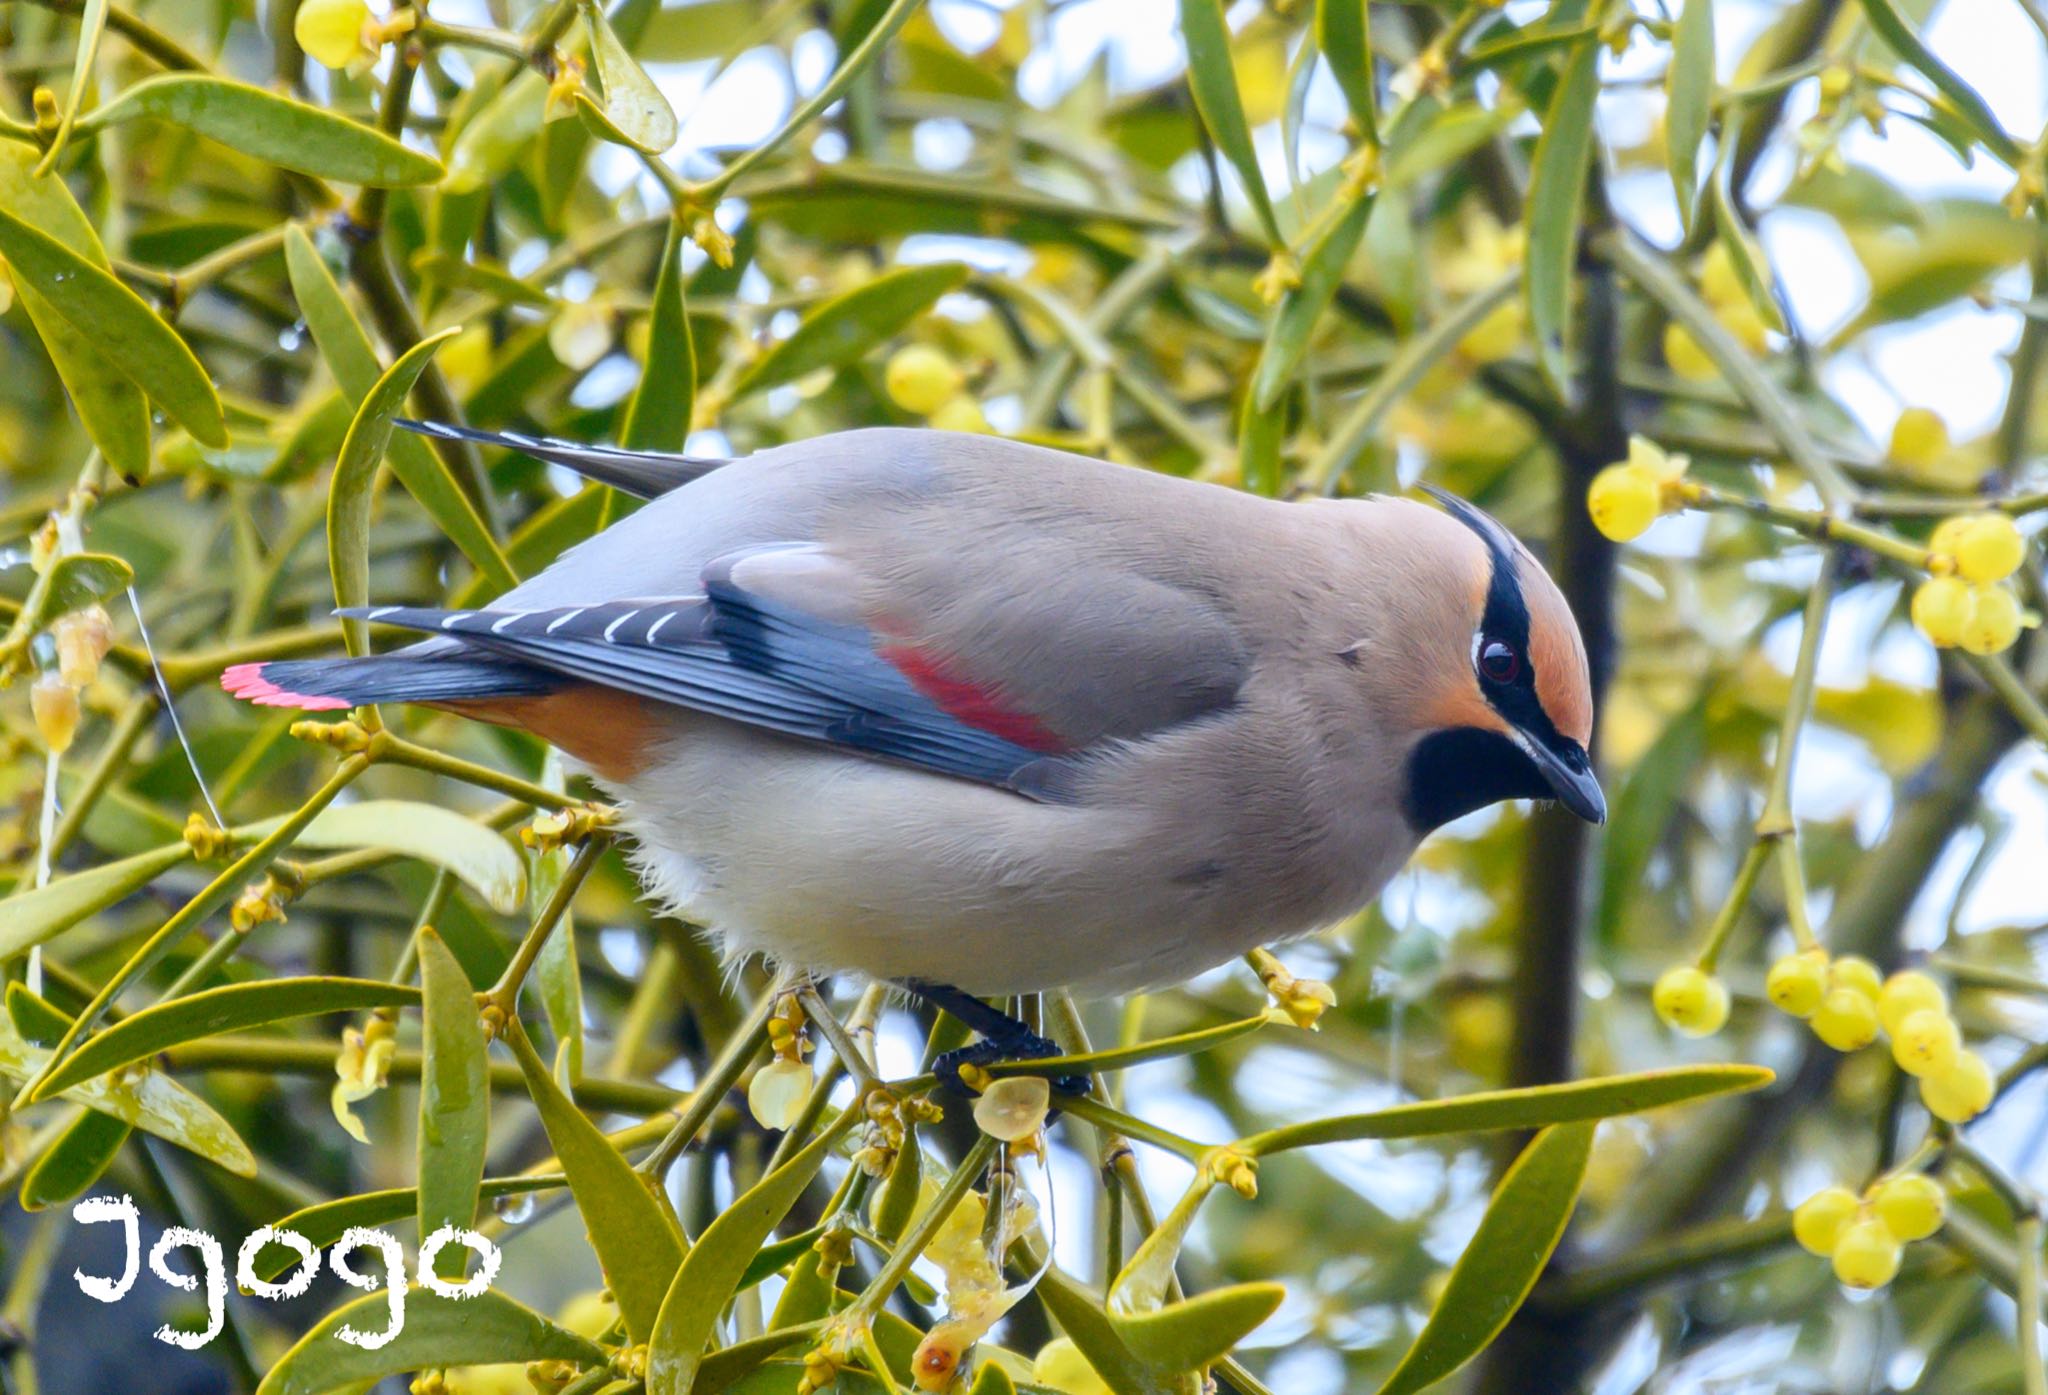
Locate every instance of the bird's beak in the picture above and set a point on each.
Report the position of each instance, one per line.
(1573, 781)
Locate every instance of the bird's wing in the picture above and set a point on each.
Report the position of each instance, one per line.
(791, 638)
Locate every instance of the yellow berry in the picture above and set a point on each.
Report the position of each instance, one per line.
(1690, 1001)
(1911, 1205)
(55, 706)
(1919, 438)
(1905, 993)
(331, 31)
(1995, 621)
(959, 413)
(1926, 1042)
(1989, 548)
(1854, 971)
(1798, 982)
(1623, 501)
(1845, 1020)
(1867, 1255)
(1686, 357)
(1961, 1092)
(1942, 609)
(1818, 1221)
(590, 1313)
(921, 379)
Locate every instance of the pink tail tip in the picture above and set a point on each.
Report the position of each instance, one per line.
(246, 681)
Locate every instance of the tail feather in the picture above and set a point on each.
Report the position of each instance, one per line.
(644, 473)
(326, 685)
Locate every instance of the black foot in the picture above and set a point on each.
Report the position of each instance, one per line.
(989, 1051)
(1004, 1038)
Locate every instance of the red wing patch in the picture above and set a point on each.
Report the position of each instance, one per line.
(970, 703)
(246, 681)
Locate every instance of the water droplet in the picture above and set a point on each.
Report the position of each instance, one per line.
(291, 336)
(514, 1208)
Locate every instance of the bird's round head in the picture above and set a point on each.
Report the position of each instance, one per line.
(1509, 714)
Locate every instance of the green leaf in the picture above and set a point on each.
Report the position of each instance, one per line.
(1260, 438)
(483, 858)
(992, 1379)
(325, 1222)
(633, 111)
(1744, 255)
(485, 1330)
(92, 24)
(234, 1007)
(1521, 1227)
(71, 583)
(712, 1271)
(40, 1022)
(847, 326)
(1891, 26)
(1081, 1314)
(31, 917)
(78, 1158)
(491, 142)
(1527, 1108)
(658, 414)
(271, 127)
(1344, 34)
(1690, 84)
(729, 1365)
(1557, 193)
(455, 1100)
(1322, 271)
(1148, 1274)
(348, 496)
(1213, 80)
(1136, 1054)
(119, 324)
(1191, 1334)
(345, 346)
(152, 1102)
(638, 1243)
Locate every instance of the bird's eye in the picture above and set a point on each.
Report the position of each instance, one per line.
(1498, 661)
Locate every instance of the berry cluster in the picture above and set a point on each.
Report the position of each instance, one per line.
(1847, 1005)
(1866, 1235)
(1625, 499)
(1965, 603)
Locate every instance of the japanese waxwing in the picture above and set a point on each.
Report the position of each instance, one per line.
(954, 711)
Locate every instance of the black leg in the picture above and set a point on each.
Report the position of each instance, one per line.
(1003, 1037)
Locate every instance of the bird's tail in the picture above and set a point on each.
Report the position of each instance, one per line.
(317, 685)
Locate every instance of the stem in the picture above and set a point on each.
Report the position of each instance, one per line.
(505, 992)
(396, 750)
(2028, 1241)
(1776, 819)
(740, 1048)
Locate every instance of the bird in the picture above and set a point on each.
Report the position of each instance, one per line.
(980, 718)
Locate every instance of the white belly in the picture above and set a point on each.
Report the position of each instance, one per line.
(833, 863)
